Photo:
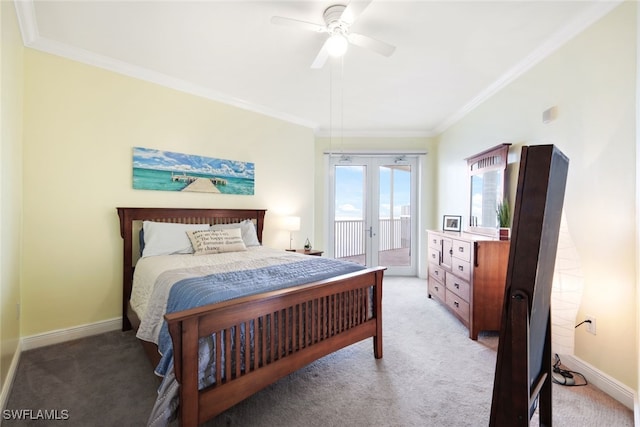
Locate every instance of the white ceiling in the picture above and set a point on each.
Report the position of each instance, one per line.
(450, 55)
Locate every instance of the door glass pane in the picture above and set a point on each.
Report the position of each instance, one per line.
(349, 222)
(394, 213)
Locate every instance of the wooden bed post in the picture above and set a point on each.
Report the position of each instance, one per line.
(127, 267)
(189, 409)
(377, 339)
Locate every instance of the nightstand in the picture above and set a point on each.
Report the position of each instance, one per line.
(314, 252)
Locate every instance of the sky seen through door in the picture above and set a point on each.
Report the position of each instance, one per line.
(349, 193)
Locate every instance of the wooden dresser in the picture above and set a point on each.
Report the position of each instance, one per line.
(467, 272)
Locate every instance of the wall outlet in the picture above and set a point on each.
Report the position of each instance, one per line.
(591, 325)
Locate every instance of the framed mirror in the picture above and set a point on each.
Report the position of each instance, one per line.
(487, 174)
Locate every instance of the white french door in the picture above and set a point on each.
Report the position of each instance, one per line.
(372, 210)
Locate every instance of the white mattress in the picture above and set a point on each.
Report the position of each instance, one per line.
(154, 276)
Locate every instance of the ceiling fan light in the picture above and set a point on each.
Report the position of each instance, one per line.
(337, 45)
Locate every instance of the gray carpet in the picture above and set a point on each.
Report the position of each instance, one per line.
(432, 374)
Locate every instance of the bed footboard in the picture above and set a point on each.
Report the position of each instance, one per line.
(291, 328)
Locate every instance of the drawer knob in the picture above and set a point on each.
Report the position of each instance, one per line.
(461, 268)
(436, 288)
(460, 249)
(456, 304)
(457, 285)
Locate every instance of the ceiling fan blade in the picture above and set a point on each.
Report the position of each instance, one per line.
(322, 56)
(303, 25)
(370, 43)
(353, 10)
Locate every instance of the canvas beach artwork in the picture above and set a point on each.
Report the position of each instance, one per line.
(169, 171)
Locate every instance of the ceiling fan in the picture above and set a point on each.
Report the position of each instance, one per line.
(338, 19)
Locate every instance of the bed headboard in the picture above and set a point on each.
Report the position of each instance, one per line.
(131, 221)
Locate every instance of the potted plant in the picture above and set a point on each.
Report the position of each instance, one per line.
(504, 219)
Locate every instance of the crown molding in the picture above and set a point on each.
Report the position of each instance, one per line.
(553, 43)
(27, 22)
(32, 39)
(25, 11)
(121, 67)
(354, 133)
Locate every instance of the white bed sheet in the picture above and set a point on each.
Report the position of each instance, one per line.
(154, 277)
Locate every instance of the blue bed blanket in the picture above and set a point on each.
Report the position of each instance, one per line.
(199, 291)
(218, 287)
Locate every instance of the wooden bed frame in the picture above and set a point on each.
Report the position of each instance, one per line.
(293, 327)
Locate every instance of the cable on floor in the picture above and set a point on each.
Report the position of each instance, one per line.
(566, 377)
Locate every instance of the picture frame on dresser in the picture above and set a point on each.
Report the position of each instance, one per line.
(451, 223)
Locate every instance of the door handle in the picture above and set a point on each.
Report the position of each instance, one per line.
(371, 233)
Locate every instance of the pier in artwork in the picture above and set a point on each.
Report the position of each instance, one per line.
(199, 184)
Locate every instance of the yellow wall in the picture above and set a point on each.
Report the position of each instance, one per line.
(11, 84)
(591, 80)
(81, 123)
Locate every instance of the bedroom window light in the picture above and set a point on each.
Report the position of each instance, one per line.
(291, 224)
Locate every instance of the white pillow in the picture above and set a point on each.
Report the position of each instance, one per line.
(216, 241)
(164, 238)
(247, 229)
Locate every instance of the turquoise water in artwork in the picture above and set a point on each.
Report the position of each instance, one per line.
(153, 179)
(153, 170)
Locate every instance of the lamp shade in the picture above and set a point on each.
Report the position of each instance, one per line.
(291, 223)
(566, 292)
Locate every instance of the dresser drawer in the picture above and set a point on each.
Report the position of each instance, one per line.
(434, 256)
(457, 305)
(435, 241)
(436, 272)
(461, 250)
(436, 289)
(461, 269)
(458, 286)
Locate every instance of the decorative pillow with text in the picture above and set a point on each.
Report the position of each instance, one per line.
(216, 241)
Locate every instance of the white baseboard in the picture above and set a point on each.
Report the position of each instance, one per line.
(607, 384)
(11, 373)
(62, 335)
(636, 411)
